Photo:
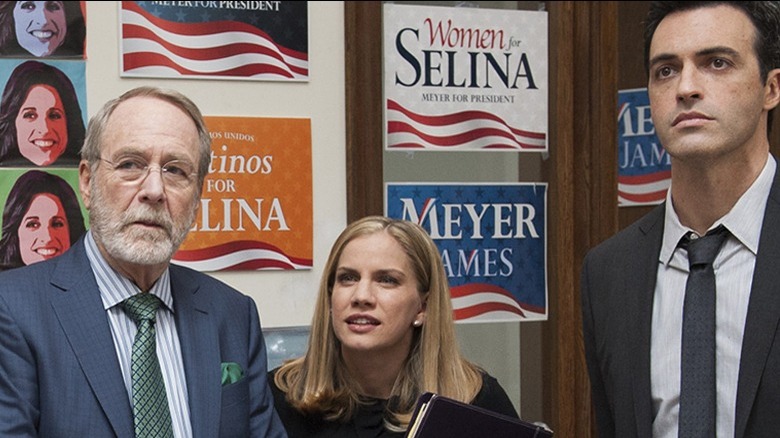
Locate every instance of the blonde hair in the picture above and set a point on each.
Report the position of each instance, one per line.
(318, 383)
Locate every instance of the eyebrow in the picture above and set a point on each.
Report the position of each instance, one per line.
(391, 271)
(717, 50)
(378, 271)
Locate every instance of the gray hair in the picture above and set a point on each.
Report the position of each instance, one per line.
(91, 151)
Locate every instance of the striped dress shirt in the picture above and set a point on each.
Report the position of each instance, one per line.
(115, 288)
(734, 268)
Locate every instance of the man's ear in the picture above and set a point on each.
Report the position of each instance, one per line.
(85, 176)
(772, 89)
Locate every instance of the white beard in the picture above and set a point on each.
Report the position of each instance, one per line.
(126, 241)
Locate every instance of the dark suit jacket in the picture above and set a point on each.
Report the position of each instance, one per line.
(618, 281)
(59, 375)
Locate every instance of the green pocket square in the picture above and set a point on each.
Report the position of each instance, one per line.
(231, 373)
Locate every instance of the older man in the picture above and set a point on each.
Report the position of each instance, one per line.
(110, 339)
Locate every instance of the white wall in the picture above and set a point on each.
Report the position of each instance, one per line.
(284, 298)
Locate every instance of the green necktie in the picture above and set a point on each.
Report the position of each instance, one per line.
(150, 404)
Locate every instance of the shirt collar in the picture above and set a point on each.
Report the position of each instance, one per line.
(743, 220)
(114, 287)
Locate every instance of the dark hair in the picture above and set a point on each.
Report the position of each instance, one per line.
(72, 46)
(25, 189)
(25, 76)
(765, 17)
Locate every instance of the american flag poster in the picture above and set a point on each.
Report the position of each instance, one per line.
(493, 242)
(250, 40)
(465, 79)
(256, 209)
(644, 167)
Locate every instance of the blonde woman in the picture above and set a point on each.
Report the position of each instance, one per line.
(382, 334)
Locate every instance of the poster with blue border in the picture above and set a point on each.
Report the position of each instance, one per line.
(493, 242)
(644, 167)
(28, 140)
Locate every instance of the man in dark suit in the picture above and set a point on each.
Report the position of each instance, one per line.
(68, 342)
(713, 80)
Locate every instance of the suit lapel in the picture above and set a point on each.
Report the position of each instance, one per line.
(83, 319)
(763, 311)
(200, 352)
(640, 287)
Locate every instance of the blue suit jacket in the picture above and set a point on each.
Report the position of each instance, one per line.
(618, 283)
(59, 375)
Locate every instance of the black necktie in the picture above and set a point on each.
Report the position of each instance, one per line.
(697, 384)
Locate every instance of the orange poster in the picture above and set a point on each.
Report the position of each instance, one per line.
(256, 208)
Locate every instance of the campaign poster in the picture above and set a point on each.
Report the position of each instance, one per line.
(493, 243)
(43, 29)
(644, 167)
(42, 214)
(465, 79)
(249, 40)
(256, 208)
(44, 110)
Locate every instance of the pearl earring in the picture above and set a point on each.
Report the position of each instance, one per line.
(417, 323)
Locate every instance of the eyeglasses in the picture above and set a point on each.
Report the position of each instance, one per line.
(176, 174)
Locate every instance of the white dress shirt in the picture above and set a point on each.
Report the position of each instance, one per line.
(733, 267)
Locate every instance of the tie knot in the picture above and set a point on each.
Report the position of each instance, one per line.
(141, 307)
(703, 250)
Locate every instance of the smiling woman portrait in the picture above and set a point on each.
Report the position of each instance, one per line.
(41, 219)
(37, 29)
(41, 122)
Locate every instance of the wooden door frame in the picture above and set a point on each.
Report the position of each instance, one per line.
(363, 76)
(581, 171)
